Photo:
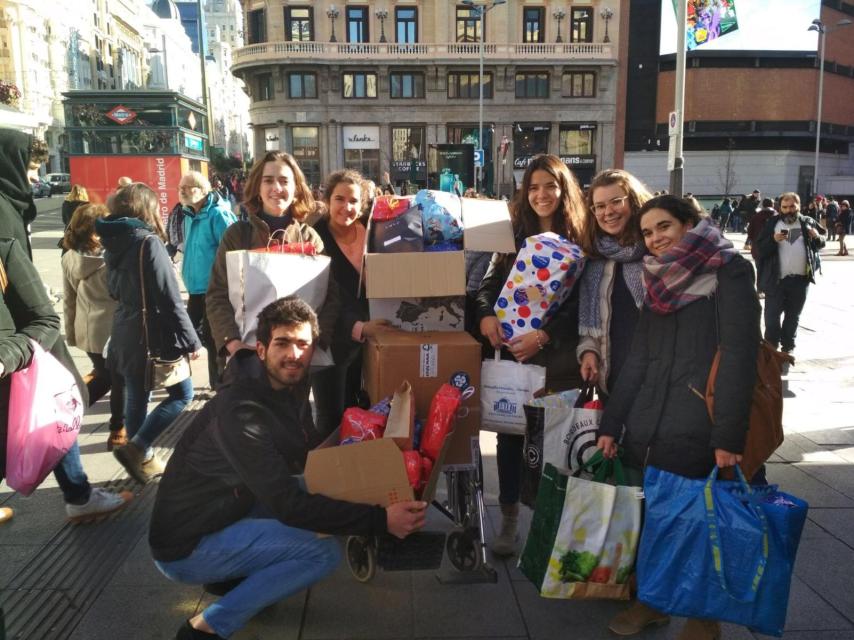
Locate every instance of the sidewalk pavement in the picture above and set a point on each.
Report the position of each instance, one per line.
(97, 582)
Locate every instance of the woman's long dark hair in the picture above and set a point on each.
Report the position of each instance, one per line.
(138, 200)
(303, 203)
(568, 220)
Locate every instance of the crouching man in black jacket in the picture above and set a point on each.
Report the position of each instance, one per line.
(230, 505)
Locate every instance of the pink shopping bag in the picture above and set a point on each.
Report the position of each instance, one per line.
(45, 412)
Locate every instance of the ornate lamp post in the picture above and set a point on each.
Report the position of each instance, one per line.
(333, 13)
(606, 14)
(559, 15)
(381, 15)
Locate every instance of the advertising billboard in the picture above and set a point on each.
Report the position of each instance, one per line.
(742, 25)
(450, 167)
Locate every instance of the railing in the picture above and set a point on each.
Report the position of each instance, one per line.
(369, 52)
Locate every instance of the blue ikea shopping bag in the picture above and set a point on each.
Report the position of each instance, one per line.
(718, 549)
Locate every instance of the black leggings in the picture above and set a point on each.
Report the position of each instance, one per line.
(106, 379)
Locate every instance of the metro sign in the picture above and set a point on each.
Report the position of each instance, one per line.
(121, 114)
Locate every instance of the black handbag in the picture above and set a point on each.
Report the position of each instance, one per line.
(159, 373)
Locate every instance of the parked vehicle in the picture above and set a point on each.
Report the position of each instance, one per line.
(59, 182)
(41, 189)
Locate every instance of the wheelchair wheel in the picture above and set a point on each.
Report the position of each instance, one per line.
(463, 552)
(361, 558)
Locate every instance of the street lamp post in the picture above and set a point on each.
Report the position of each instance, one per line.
(481, 9)
(559, 15)
(332, 13)
(823, 30)
(606, 14)
(381, 15)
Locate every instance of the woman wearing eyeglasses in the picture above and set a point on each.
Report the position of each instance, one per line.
(611, 284)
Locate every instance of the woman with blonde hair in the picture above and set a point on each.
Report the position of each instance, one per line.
(276, 200)
(77, 197)
(548, 200)
(89, 311)
(138, 265)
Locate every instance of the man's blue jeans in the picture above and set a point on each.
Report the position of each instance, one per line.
(71, 478)
(275, 559)
(143, 427)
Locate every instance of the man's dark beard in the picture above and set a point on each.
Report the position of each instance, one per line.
(790, 218)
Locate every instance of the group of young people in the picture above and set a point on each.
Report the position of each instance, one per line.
(661, 291)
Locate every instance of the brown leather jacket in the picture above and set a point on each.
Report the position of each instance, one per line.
(250, 232)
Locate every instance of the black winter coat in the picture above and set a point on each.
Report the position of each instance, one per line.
(25, 314)
(558, 356)
(171, 333)
(243, 449)
(660, 394)
(768, 257)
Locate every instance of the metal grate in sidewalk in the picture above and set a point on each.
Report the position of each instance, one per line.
(49, 596)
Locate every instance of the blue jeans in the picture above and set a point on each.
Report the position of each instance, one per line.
(143, 429)
(783, 305)
(71, 478)
(276, 560)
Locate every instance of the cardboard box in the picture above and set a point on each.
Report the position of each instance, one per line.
(427, 361)
(421, 314)
(397, 276)
(370, 472)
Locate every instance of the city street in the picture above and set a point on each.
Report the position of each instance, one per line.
(97, 582)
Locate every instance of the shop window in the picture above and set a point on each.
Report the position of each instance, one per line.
(302, 85)
(264, 86)
(299, 24)
(532, 24)
(466, 84)
(406, 85)
(360, 85)
(578, 84)
(577, 140)
(581, 25)
(257, 23)
(306, 151)
(469, 24)
(357, 24)
(532, 84)
(406, 23)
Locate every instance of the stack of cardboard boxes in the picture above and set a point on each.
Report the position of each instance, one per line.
(423, 294)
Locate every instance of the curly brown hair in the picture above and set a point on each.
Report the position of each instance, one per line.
(80, 234)
(303, 203)
(568, 220)
(638, 194)
(346, 176)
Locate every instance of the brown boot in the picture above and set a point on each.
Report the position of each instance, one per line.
(695, 629)
(132, 458)
(637, 618)
(506, 542)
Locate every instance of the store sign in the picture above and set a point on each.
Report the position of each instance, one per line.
(193, 142)
(271, 139)
(405, 166)
(361, 137)
(522, 162)
(121, 115)
(579, 161)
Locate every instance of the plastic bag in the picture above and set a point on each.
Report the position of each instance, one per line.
(440, 420)
(45, 412)
(358, 425)
(441, 215)
(719, 549)
(505, 387)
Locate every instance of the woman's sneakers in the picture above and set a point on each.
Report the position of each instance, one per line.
(132, 458)
(187, 632)
(637, 618)
(100, 503)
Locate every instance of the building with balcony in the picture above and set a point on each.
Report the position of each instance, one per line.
(371, 86)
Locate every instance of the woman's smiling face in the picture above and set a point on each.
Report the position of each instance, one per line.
(612, 209)
(662, 231)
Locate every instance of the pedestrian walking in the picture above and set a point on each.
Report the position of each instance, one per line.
(137, 266)
(89, 309)
(843, 226)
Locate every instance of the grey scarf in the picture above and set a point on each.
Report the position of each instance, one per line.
(589, 316)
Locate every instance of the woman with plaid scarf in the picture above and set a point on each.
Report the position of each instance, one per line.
(699, 296)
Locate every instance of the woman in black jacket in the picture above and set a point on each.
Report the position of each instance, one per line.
(134, 228)
(343, 235)
(548, 200)
(700, 296)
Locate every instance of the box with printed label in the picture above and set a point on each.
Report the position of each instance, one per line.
(428, 360)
